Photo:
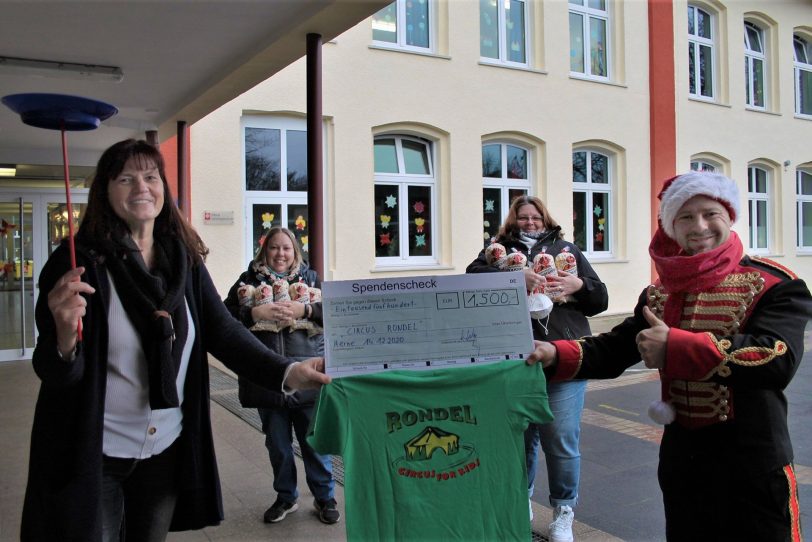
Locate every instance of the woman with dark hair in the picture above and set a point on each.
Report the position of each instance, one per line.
(121, 444)
(290, 325)
(530, 230)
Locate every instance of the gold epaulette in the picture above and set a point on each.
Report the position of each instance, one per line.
(775, 265)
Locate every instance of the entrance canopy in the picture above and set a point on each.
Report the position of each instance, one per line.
(158, 62)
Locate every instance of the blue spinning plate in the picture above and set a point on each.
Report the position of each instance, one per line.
(59, 111)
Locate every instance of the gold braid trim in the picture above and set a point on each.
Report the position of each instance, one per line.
(723, 308)
(775, 265)
(742, 355)
(580, 343)
(656, 300)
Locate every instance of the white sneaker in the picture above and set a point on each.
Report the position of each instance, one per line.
(561, 527)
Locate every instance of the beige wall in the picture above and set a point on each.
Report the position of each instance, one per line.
(455, 100)
(739, 136)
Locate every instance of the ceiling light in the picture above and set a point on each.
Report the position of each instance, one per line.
(8, 170)
(66, 70)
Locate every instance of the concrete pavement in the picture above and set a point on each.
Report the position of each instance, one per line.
(620, 499)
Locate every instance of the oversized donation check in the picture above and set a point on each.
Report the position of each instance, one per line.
(424, 322)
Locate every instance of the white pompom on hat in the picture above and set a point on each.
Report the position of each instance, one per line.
(677, 190)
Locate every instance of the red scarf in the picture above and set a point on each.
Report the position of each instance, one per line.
(680, 272)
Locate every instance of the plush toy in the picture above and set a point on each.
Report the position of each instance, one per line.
(538, 303)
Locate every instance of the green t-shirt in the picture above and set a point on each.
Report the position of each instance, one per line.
(433, 455)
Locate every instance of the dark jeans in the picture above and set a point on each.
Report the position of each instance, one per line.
(278, 424)
(708, 497)
(138, 497)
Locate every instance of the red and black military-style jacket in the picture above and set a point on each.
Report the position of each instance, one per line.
(732, 349)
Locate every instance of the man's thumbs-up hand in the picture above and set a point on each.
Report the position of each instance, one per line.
(651, 342)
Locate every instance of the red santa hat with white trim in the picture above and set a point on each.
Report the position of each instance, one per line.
(677, 190)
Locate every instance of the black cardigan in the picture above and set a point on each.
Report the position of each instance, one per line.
(63, 496)
(567, 320)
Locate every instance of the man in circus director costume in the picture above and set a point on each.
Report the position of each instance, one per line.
(726, 332)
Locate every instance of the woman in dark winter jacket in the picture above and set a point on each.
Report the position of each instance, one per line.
(121, 444)
(529, 229)
(278, 299)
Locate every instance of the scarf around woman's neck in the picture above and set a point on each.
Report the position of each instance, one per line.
(266, 274)
(154, 301)
(682, 273)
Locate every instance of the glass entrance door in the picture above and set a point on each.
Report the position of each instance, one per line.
(33, 224)
(16, 278)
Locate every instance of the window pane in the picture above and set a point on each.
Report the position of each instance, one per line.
(491, 213)
(516, 163)
(579, 167)
(806, 225)
(263, 155)
(806, 183)
(761, 181)
(758, 82)
(577, 2)
(386, 160)
(579, 216)
(805, 91)
(514, 193)
(384, 24)
(761, 231)
(691, 68)
(576, 42)
(600, 168)
(753, 38)
(488, 29)
(600, 222)
(691, 16)
(297, 223)
(703, 24)
(297, 160)
(264, 216)
(706, 70)
(597, 49)
(800, 50)
(387, 225)
(747, 82)
(417, 23)
(415, 158)
(598, 4)
(492, 161)
(515, 31)
(420, 226)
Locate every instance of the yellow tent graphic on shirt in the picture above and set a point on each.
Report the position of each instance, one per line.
(423, 445)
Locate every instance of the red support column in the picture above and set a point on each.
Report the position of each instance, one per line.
(184, 183)
(662, 105)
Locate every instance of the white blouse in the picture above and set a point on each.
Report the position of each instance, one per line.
(131, 428)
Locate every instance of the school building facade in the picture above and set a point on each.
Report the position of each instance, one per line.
(437, 112)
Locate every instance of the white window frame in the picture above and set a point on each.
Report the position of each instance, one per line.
(753, 199)
(504, 183)
(401, 30)
(695, 43)
(403, 181)
(283, 197)
(589, 188)
(503, 46)
(587, 13)
(803, 245)
(801, 65)
(750, 57)
(700, 164)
